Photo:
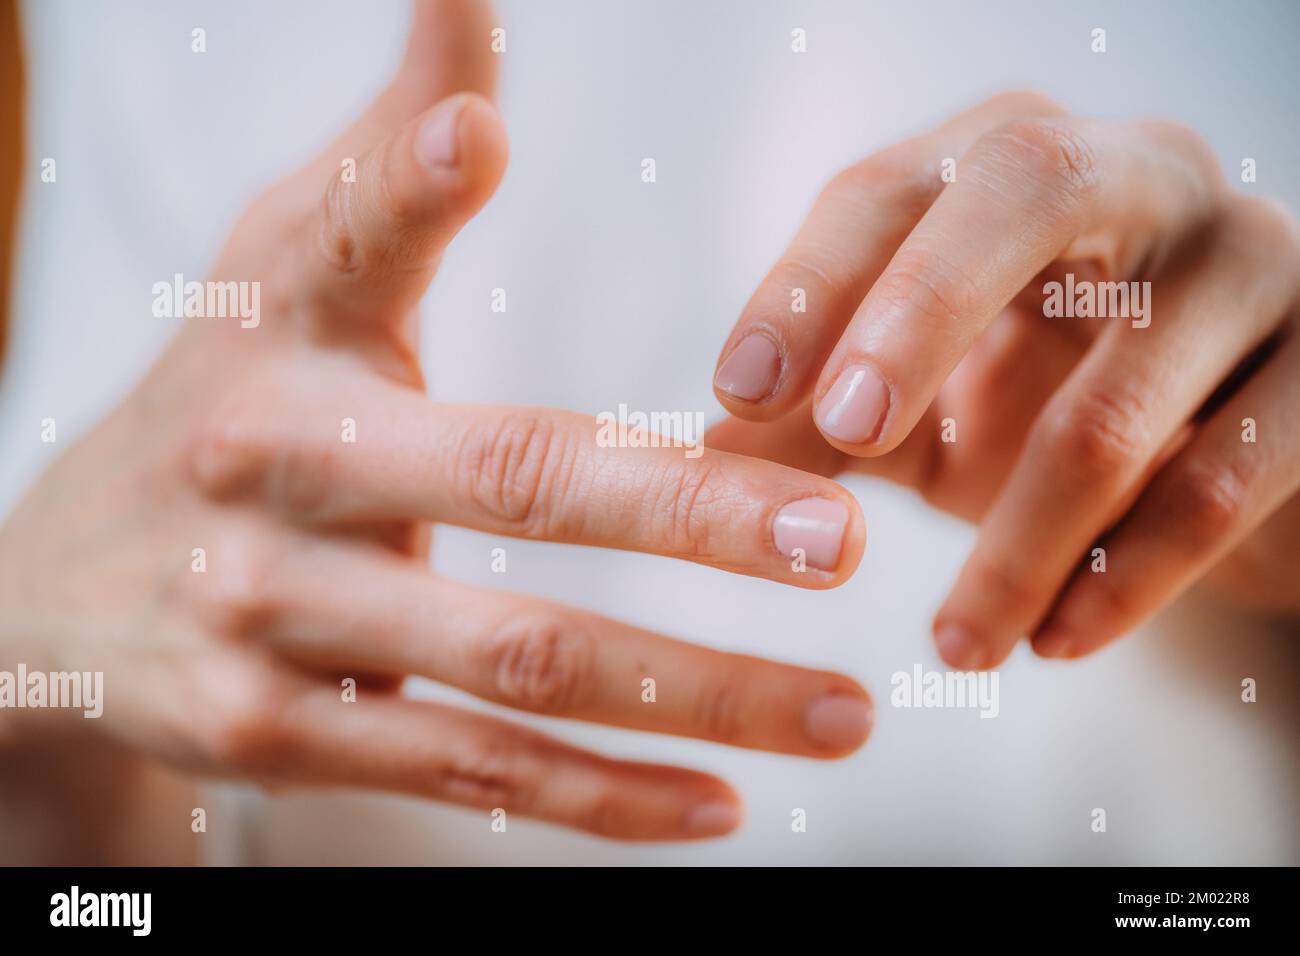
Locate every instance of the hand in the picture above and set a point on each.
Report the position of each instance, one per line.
(926, 314)
(314, 548)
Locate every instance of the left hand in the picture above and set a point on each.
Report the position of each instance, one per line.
(925, 302)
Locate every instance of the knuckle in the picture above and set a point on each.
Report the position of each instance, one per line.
(720, 712)
(492, 774)
(400, 207)
(336, 233)
(929, 287)
(605, 813)
(1115, 597)
(1101, 434)
(685, 507)
(1186, 144)
(1271, 223)
(1051, 151)
(513, 468)
(236, 594)
(245, 740)
(820, 275)
(1005, 585)
(542, 664)
(354, 213)
(244, 729)
(865, 176)
(301, 479)
(239, 452)
(891, 178)
(1210, 501)
(229, 453)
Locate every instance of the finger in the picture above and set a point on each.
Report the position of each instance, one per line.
(531, 473)
(1097, 439)
(795, 442)
(996, 391)
(448, 51)
(1197, 510)
(792, 441)
(429, 750)
(537, 656)
(1026, 193)
(375, 242)
(791, 323)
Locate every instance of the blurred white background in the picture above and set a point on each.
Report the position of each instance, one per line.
(620, 291)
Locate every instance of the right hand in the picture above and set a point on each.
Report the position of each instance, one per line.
(316, 548)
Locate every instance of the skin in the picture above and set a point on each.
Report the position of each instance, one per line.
(316, 549)
(1072, 434)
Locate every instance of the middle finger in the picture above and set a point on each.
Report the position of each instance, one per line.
(394, 617)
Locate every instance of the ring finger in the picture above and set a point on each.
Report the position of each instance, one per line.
(429, 750)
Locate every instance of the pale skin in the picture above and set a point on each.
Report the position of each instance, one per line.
(316, 549)
(1071, 435)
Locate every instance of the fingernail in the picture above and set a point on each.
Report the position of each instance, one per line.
(436, 140)
(713, 818)
(1053, 643)
(751, 370)
(958, 647)
(838, 721)
(854, 408)
(814, 524)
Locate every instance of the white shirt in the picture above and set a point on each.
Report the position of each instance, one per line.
(622, 291)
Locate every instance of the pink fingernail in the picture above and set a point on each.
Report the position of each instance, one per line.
(1053, 642)
(854, 408)
(436, 140)
(713, 818)
(814, 524)
(751, 370)
(959, 648)
(838, 722)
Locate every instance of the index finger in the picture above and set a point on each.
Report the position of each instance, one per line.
(791, 323)
(535, 473)
(1027, 193)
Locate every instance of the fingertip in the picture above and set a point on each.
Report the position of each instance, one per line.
(822, 536)
(855, 541)
(1052, 644)
(714, 816)
(840, 721)
(483, 136)
(462, 142)
(853, 411)
(748, 376)
(962, 649)
(1063, 643)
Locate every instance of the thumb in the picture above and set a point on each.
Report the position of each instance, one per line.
(448, 50)
(375, 242)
